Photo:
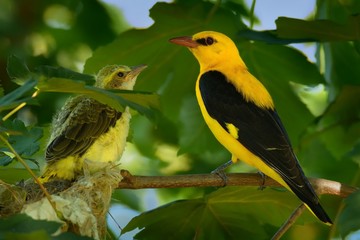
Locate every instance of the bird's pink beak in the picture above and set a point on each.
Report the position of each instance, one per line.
(184, 41)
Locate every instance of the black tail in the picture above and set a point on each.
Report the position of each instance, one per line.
(319, 212)
(307, 194)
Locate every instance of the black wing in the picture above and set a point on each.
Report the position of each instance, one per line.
(86, 119)
(260, 130)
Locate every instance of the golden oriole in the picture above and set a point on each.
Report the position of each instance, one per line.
(87, 130)
(241, 114)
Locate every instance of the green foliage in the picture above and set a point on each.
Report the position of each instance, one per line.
(319, 30)
(349, 221)
(24, 140)
(16, 67)
(24, 227)
(61, 80)
(327, 143)
(223, 214)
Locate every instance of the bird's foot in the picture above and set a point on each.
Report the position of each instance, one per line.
(221, 173)
(263, 177)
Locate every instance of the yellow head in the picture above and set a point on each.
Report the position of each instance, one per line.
(118, 77)
(211, 49)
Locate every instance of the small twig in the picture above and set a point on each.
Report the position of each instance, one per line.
(19, 158)
(20, 106)
(289, 222)
(252, 10)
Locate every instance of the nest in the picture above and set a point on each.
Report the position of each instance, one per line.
(81, 206)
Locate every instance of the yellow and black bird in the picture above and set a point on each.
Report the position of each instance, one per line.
(87, 130)
(241, 114)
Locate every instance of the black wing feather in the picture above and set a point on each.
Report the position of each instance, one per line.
(260, 130)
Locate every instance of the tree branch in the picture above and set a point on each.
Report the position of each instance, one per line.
(322, 186)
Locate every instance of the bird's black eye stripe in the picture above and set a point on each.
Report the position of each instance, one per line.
(202, 41)
(120, 74)
(205, 41)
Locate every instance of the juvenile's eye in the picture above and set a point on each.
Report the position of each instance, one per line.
(209, 41)
(120, 74)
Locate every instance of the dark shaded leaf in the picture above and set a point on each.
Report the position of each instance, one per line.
(22, 226)
(224, 214)
(319, 30)
(339, 127)
(269, 36)
(22, 223)
(19, 95)
(60, 72)
(24, 140)
(16, 68)
(349, 220)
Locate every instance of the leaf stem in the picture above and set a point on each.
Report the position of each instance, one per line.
(19, 158)
(252, 10)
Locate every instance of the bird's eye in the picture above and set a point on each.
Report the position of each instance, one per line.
(209, 41)
(120, 74)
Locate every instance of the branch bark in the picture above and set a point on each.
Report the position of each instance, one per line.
(129, 181)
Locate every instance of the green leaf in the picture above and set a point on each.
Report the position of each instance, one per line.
(11, 174)
(60, 72)
(21, 226)
(19, 95)
(195, 136)
(224, 214)
(269, 37)
(25, 141)
(22, 223)
(16, 68)
(319, 30)
(143, 102)
(341, 57)
(349, 220)
(340, 126)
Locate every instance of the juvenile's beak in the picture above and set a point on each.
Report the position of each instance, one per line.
(136, 70)
(184, 41)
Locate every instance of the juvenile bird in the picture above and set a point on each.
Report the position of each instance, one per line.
(241, 114)
(87, 130)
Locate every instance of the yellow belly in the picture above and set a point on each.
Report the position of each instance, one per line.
(107, 148)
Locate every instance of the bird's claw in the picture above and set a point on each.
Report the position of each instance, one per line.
(263, 177)
(221, 173)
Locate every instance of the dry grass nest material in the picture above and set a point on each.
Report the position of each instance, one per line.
(81, 205)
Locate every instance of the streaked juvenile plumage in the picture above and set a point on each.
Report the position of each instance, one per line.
(87, 130)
